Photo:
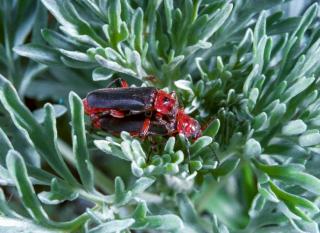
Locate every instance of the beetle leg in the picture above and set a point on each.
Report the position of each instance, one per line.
(171, 128)
(117, 113)
(159, 118)
(170, 125)
(124, 83)
(119, 82)
(145, 128)
(95, 119)
(134, 134)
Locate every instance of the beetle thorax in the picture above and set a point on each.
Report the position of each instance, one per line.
(165, 103)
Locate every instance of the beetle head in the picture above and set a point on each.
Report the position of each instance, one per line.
(166, 103)
(187, 125)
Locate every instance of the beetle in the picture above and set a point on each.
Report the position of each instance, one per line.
(132, 124)
(144, 106)
(135, 125)
(124, 100)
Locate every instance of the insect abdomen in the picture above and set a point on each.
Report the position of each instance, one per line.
(132, 124)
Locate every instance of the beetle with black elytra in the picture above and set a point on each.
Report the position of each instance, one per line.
(149, 111)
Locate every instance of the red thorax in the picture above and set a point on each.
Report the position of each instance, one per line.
(165, 103)
(187, 125)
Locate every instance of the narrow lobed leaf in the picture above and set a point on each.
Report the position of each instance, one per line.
(80, 148)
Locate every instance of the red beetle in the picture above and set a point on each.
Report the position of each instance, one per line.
(135, 125)
(145, 107)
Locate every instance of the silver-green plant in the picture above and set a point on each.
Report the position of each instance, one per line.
(246, 69)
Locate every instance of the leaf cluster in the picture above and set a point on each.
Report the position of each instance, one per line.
(246, 69)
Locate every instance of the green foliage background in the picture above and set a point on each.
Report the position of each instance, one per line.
(247, 69)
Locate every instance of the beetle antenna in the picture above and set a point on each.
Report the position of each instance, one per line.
(118, 82)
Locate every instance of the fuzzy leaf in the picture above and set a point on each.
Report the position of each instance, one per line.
(168, 222)
(293, 200)
(80, 148)
(293, 175)
(212, 129)
(13, 225)
(39, 53)
(169, 147)
(294, 127)
(226, 167)
(58, 194)
(141, 184)
(309, 139)
(101, 73)
(5, 146)
(184, 85)
(113, 226)
(114, 66)
(59, 110)
(200, 144)
(252, 148)
(187, 209)
(18, 171)
(43, 137)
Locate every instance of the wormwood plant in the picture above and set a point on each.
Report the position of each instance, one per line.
(246, 69)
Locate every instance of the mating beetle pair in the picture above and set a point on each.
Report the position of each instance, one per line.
(141, 111)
